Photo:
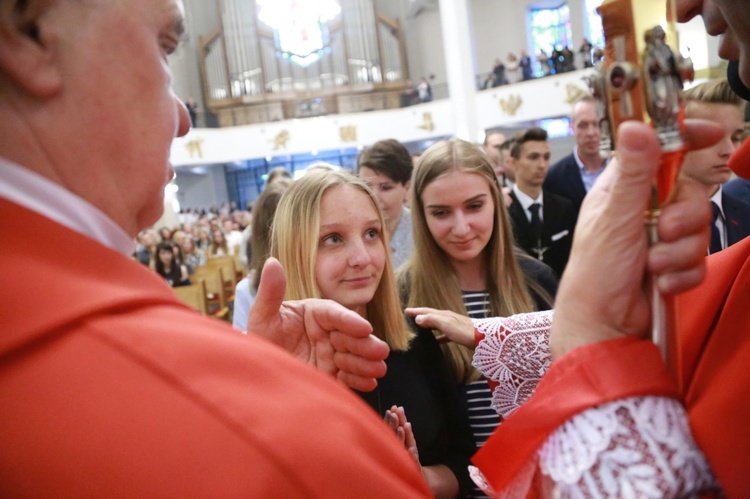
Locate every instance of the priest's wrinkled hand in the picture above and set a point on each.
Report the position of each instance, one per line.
(601, 294)
(320, 332)
(455, 327)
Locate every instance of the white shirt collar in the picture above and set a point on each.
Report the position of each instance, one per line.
(526, 200)
(30, 190)
(582, 167)
(716, 198)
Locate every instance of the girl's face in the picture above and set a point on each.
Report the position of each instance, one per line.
(218, 237)
(187, 245)
(166, 256)
(460, 213)
(351, 254)
(389, 193)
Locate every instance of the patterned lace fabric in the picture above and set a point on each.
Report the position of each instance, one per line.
(635, 447)
(515, 354)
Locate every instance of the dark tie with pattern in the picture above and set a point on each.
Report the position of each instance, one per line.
(536, 223)
(715, 235)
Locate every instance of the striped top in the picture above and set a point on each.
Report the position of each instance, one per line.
(482, 418)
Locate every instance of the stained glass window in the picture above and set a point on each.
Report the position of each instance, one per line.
(550, 29)
(299, 26)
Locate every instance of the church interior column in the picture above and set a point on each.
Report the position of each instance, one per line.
(460, 67)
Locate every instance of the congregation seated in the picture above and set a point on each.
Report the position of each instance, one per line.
(169, 267)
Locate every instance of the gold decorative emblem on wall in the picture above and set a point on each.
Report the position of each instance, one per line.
(427, 123)
(280, 141)
(195, 147)
(348, 133)
(511, 104)
(573, 93)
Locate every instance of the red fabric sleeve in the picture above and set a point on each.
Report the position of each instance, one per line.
(478, 336)
(586, 377)
(715, 339)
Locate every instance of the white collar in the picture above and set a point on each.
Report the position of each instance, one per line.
(526, 200)
(38, 194)
(582, 167)
(716, 198)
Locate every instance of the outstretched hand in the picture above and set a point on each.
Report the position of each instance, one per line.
(601, 295)
(455, 327)
(320, 332)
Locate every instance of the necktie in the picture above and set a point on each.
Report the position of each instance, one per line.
(536, 223)
(715, 235)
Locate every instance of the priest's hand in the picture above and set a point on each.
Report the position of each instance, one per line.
(601, 294)
(455, 327)
(320, 332)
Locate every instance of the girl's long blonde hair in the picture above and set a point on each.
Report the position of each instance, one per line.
(294, 242)
(428, 277)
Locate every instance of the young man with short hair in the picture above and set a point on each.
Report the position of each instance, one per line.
(715, 101)
(543, 222)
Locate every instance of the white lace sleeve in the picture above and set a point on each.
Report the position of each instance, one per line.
(636, 447)
(515, 354)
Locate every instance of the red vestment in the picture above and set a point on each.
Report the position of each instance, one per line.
(111, 387)
(714, 355)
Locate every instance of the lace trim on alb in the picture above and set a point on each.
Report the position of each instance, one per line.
(515, 353)
(636, 447)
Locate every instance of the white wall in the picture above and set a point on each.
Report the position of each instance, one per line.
(202, 188)
(497, 30)
(424, 45)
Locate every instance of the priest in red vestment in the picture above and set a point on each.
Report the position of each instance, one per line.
(109, 387)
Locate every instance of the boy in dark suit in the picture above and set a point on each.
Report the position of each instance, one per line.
(543, 222)
(715, 101)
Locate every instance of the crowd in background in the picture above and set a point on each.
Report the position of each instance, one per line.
(201, 234)
(555, 60)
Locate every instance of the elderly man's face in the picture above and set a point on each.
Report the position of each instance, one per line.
(586, 129)
(729, 18)
(118, 83)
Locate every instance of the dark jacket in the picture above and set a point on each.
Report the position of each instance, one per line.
(737, 216)
(558, 224)
(564, 179)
